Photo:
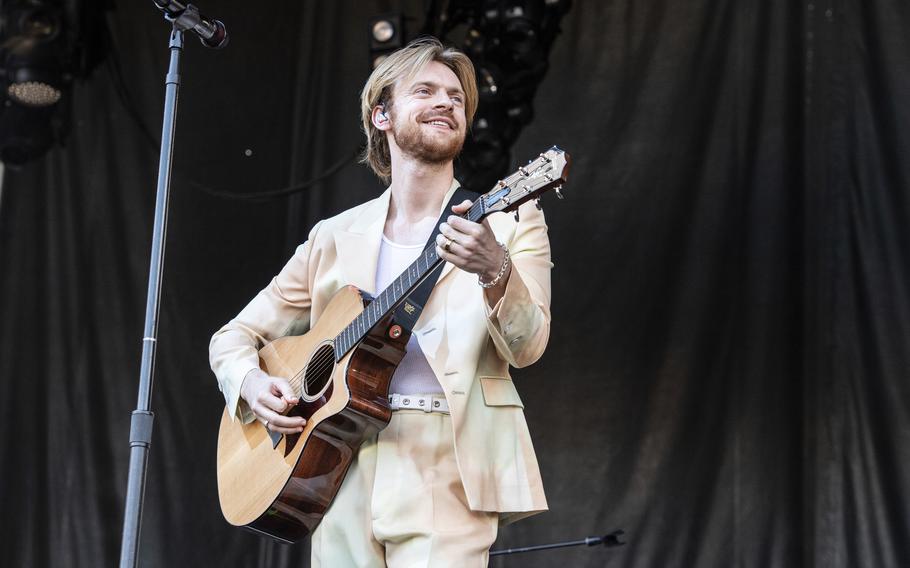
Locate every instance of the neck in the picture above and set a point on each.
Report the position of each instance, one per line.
(418, 189)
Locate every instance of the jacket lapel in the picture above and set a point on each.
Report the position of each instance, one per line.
(358, 247)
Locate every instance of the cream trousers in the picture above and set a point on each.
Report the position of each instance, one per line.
(402, 504)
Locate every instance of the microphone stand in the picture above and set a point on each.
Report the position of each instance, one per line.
(610, 540)
(143, 419)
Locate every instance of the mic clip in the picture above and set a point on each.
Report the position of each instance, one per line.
(212, 33)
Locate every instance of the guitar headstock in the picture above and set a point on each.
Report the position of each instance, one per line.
(548, 171)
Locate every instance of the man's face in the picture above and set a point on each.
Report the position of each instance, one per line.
(427, 115)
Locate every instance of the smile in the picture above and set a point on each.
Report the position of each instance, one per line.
(439, 123)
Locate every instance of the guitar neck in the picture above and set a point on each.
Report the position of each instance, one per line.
(390, 298)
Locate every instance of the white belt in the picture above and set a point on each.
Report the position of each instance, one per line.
(425, 402)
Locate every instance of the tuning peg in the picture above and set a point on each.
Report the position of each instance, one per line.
(559, 193)
(516, 215)
(537, 204)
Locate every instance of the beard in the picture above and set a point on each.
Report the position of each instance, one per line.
(419, 145)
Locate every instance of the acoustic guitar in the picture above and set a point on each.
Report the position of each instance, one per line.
(281, 486)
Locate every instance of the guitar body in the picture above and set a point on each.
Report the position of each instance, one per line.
(284, 490)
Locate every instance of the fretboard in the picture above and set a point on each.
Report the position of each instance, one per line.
(396, 292)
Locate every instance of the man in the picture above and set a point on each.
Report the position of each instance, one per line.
(432, 487)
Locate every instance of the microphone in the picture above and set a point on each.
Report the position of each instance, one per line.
(211, 32)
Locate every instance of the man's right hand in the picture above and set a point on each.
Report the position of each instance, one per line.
(270, 398)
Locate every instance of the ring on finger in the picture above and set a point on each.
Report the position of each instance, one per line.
(267, 426)
(447, 244)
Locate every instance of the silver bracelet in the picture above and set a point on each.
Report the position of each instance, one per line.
(506, 263)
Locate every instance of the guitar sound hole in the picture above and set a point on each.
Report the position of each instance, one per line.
(318, 371)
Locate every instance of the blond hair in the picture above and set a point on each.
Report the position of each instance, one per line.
(405, 64)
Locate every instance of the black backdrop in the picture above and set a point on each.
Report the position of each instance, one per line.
(727, 374)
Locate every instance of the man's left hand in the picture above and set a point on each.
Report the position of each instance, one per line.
(472, 247)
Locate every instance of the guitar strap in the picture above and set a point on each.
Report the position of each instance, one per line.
(408, 312)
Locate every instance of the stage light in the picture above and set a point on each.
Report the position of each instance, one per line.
(44, 46)
(383, 31)
(386, 35)
(33, 53)
(487, 79)
(34, 93)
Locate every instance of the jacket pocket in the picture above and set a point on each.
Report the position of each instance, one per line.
(500, 391)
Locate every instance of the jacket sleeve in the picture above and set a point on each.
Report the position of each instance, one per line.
(519, 323)
(282, 306)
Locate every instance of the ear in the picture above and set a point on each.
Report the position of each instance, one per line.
(380, 118)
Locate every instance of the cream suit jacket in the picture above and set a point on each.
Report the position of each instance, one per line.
(468, 345)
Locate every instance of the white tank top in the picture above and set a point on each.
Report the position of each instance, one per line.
(413, 375)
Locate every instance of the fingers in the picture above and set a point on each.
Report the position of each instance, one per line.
(464, 226)
(282, 424)
(446, 250)
(271, 403)
(453, 244)
(282, 388)
(462, 207)
(465, 238)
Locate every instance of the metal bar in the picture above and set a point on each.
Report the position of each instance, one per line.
(143, 418)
